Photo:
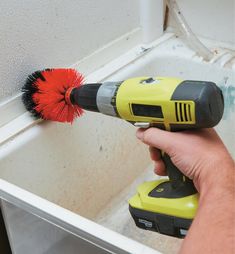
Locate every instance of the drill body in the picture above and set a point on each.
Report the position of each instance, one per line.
(167, 103)
(168, 205)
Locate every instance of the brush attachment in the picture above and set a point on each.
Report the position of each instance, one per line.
(46, 94)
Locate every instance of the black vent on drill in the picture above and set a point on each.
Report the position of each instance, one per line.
(183, 112)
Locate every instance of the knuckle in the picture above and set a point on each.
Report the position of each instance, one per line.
(147, 135)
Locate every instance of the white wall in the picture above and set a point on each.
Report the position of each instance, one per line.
(213, 19)
(35, 34)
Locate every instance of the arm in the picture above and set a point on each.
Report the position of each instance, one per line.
(201, 155)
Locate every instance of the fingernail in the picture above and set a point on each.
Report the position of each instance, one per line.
(139, 134)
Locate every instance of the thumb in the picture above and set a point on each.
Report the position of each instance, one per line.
(160, 139)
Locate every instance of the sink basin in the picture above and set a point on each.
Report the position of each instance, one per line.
(76, 177)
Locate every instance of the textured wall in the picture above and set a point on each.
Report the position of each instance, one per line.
(36, 34)
(213, 19)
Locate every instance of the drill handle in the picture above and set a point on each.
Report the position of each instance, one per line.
(176, 177)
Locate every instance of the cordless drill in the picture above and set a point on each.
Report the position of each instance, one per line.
(168, 205)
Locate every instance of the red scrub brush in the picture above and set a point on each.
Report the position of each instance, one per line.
(46, 94)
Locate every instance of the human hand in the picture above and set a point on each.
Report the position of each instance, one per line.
(199, 154)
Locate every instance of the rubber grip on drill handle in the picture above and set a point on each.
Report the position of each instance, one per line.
(176, 177)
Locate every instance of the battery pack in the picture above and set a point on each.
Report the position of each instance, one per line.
(152, 208)
(161, 223)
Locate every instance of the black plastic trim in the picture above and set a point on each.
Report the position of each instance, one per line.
(164, 224)
(209, 103)
(167, 190)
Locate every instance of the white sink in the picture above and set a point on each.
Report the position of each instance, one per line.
(92, 167)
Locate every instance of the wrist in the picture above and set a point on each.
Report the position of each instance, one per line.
(219, 182)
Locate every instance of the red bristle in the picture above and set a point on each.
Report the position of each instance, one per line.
(50, 98)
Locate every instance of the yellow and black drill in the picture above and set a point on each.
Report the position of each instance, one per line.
(168, 205)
